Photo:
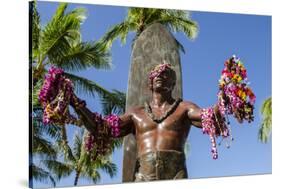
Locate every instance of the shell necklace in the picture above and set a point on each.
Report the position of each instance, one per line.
(168, 112)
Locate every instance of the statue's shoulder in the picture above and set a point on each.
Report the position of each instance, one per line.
(187, 104)
(135, 109)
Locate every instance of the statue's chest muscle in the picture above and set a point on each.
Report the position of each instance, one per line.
(172, 123)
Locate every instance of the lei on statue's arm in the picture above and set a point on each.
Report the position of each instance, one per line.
(57, 94)
(235, 97)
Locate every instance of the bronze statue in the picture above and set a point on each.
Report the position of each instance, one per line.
(161, 127)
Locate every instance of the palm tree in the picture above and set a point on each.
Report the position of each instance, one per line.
(266, 125)
(59, 43)
(42, 147)
(81, 163)
(140, 18)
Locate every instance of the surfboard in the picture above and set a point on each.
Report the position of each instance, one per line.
(154, 45)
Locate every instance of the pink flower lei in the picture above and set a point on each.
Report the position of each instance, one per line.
(235, 97)
(158, 70)
(55, 96)
(100, 143)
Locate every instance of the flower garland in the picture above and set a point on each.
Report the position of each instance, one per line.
(158, 70)
(100, 142)
(235, 97)
(55, 96)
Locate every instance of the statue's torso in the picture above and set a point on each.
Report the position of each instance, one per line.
(170, 134)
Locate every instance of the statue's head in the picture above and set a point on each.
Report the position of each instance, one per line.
(162, 78)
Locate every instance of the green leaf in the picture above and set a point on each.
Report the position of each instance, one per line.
(40, 174)
(35, 18)
(266, 124)
(82, 56)
(113, 103)
(60, 33)
(109, 167)
(60, 169)
(88, 87)
(138, 19)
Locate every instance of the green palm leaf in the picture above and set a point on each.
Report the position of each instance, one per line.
(109, 167)
(40, 174)
(82, 56)
(140, 18)
(60, 169)
(62, 31)
(78, 144)
(113, 103)
(35, 26)
(42, 147)
(88, 87)
(59, 43)
(266, 125)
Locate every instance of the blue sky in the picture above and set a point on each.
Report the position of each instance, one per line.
(220, 36)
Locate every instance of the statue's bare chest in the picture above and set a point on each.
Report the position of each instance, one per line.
(176, 122)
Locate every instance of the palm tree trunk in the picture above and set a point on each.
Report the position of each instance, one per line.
(76, 177)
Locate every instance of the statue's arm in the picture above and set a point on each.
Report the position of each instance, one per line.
(86, 116)
(194, 114)
(126, 124)
(84, 113)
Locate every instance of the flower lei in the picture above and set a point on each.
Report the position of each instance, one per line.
(100, 142)
(158, 70)
(55, 96)
(235, 97)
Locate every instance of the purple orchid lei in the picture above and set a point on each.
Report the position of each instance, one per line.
(100, 143)
(235, 97)
(158, 70)
(55, 96)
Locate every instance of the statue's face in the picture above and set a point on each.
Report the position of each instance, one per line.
(162, 78)
(164, 81)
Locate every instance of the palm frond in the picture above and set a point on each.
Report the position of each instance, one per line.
(82, 56)
(117, 143)
(59, 12)
(35, 25)
(40, 129)
(63, 143)
(113, 103)
(62, 31)
(78, 144)
(95, 176)
(179, 21)
(35, 92)
(138, 19)
(120, 30)
(41, 175)
(43, 147)
(91, 174)
(60, 169)
(109, 167)
(266, 124)
(88, 87)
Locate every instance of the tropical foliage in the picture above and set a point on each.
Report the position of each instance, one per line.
(42, 148)
(138, 19)
(80, 162)
(59, 43)
(266, 124)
